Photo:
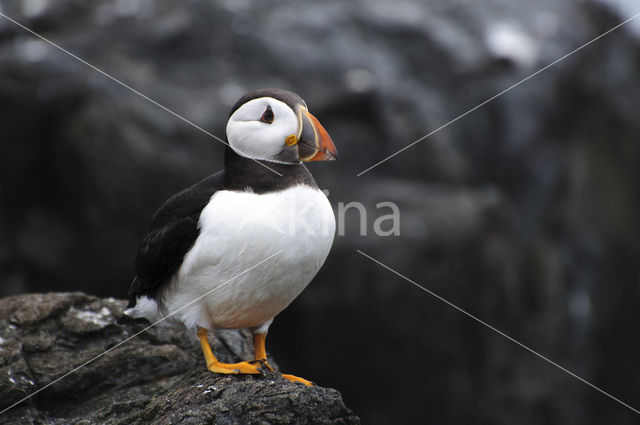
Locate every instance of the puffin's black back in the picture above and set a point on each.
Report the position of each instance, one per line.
(173, 230)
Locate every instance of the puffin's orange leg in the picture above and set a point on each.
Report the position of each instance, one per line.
(217, 367)
(260, 355)
(259, 350)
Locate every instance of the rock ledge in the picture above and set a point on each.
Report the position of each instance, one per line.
(156, 377)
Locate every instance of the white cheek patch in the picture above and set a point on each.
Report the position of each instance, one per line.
(254, 139)
(242, 137)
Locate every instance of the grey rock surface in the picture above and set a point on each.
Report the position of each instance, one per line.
(157, 376)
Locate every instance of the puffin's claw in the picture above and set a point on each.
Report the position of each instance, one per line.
(265, 364)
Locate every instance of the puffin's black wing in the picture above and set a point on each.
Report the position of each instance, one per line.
(172, 233)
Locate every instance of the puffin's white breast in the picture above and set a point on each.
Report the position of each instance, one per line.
(237, 231)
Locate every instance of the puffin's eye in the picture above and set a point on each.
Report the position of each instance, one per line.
(267, 116)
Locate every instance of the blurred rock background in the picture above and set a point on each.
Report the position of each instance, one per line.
(525, 212)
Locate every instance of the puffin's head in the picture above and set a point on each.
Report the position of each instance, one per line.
(275, 125)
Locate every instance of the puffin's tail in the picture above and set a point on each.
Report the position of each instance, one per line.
(126, 319)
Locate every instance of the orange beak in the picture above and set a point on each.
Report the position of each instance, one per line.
(314, 143)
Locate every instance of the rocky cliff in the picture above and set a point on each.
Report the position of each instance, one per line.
(157, 376)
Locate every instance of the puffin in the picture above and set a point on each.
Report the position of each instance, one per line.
(235, 249)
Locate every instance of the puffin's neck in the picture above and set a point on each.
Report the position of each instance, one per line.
(241, 173)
